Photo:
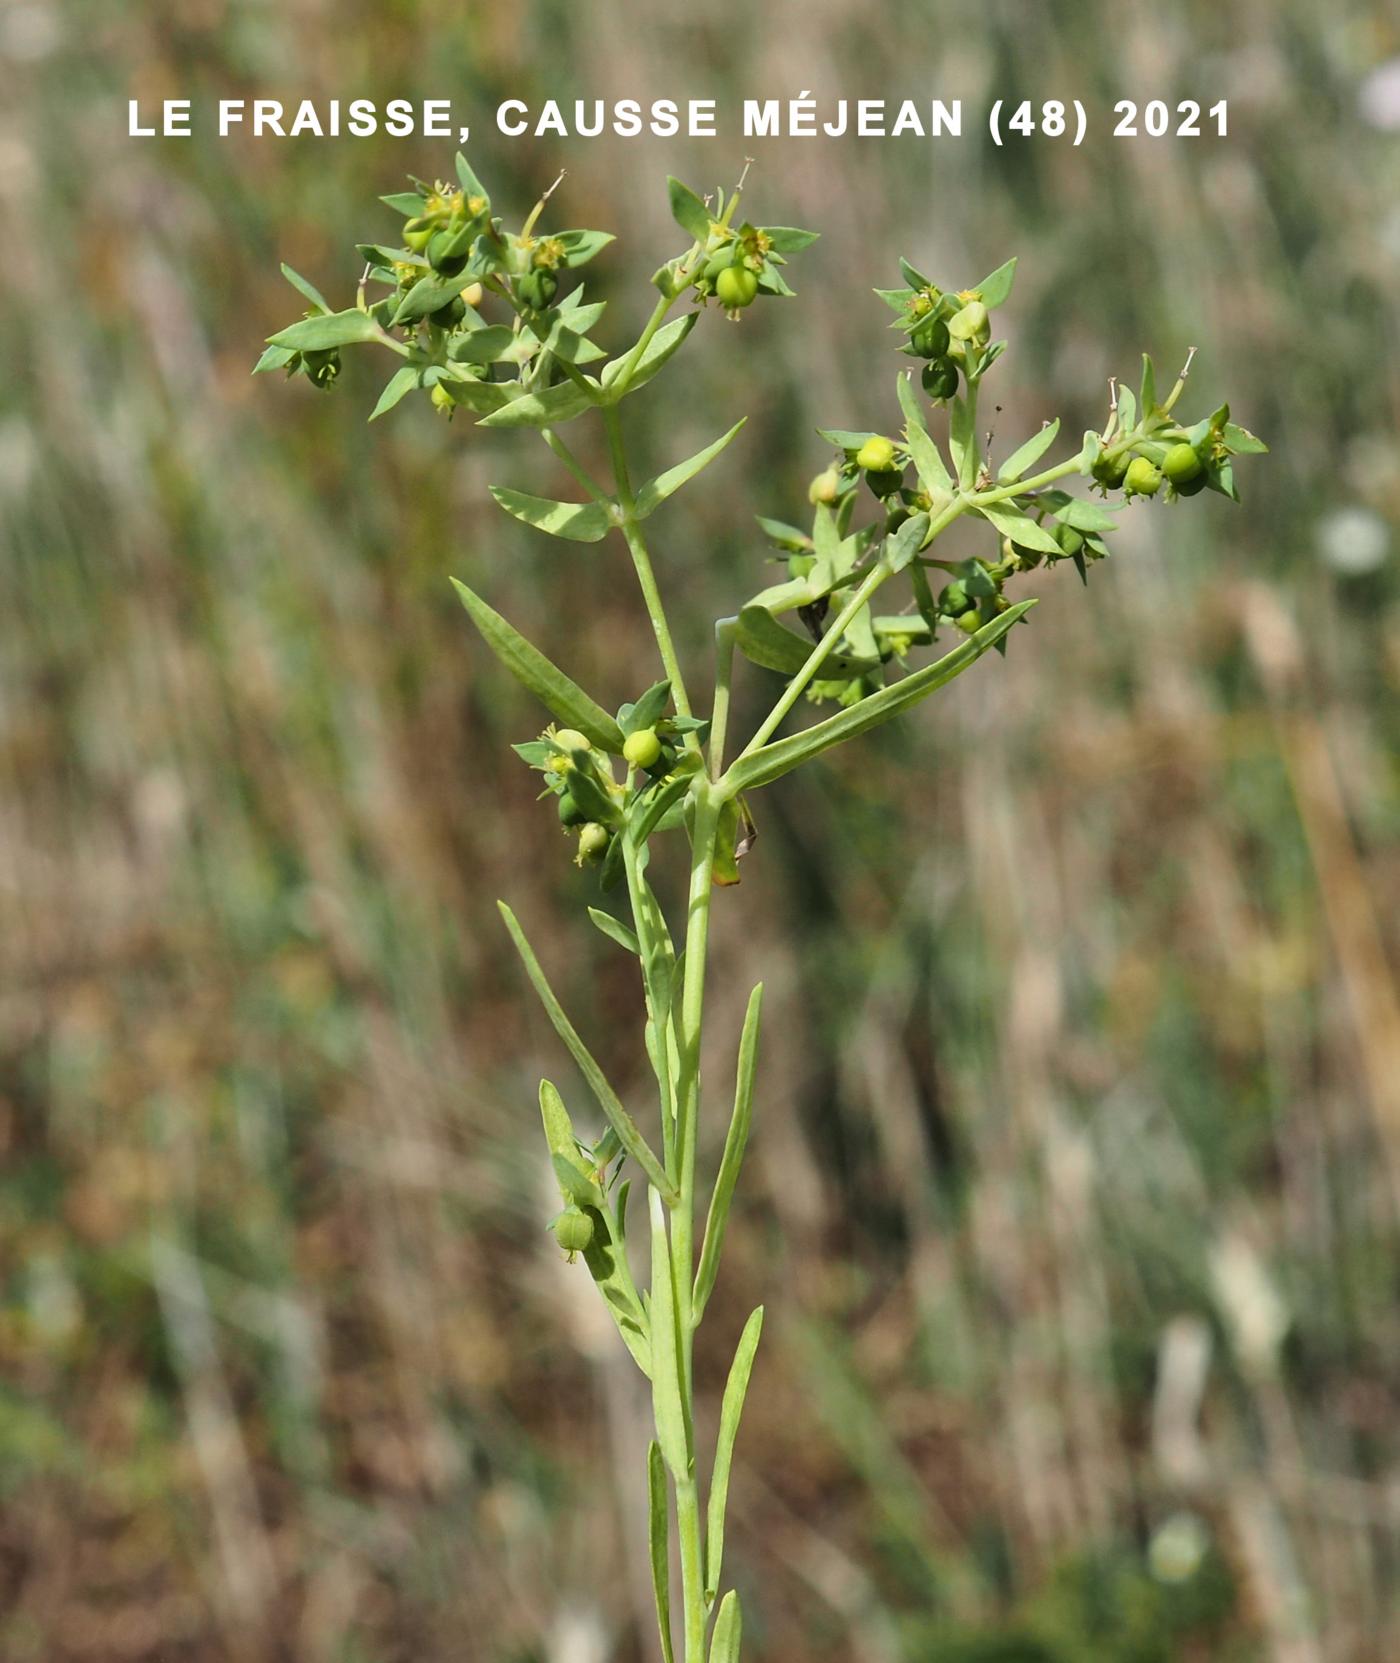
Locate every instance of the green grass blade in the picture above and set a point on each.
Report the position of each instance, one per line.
(733, 1157)
(618, 1118)
(775, 760)
(730, 1411)
(659, 1537)
(564, 699)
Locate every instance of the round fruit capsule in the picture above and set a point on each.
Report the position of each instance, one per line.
(1143, 478)
(1109, 470)
(953, 599)
(972, 323)
(1181, 464)
(570, 739)
(593, 840)
(826, 487)
(940, 378)
(736, 287)
(930, 338)
(970, 621)
(570, 814)
(876, 455)
(641, 749)
(537, 288)
(573, 1230)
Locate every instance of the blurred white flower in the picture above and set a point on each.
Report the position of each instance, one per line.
(1353, 540)
(1378, 97)
(1177, 1548)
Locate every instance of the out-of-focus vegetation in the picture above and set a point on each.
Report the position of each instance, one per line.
(1078, 1172)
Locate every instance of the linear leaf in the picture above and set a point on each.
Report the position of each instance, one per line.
(731, 1408)
(563, 698)
(729, 1630)
(1034, 448)
(655, 808)
(332, 329)
(549, 408)
(735, 1142)
(772, 646)
(655, 491)
(1012, 522)
(618, 1118)
(672, 1426)
(658, 1535)
(775, 760)
(578, 522)
(615, 930)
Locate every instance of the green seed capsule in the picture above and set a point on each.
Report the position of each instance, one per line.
(1181, 464)
(970, 622)
(736, 287)
(570, 739)
(1143, 478)
(593, 841)
(447, 316)
(876, 455)
(972, 323)
(940, 378)
(641, 749)
(570, 814)
(953, 599)
(573, 1230)
(537, 288)
(826, 487)
(930, 338)
(1109, 470)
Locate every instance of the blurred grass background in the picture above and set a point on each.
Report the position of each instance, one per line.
(1074, 1191)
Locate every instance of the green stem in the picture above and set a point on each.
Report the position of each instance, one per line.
(575, 467)
(724, 675)
(706, 826)
(641, 561)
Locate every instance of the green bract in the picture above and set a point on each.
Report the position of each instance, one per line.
(490, 322)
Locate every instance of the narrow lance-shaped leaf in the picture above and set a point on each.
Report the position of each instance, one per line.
(658, 351)
(306, 289)
(731, 1409)
(928, 464)
(577, 522)
(995, 290)
(772, 646)
(658, 1537)
(962, 441)
(775, 760)
(563, 1146)
(1034, 448)
(1019, 527)
(729, 1630)
(550, 408)
(655, 491)
(563, 698)
(688, 211)
(618, 1118)
(672, 1424)
(331, 329)
(906, 542)
(615, 930)
(735, 1142)
(399, 385)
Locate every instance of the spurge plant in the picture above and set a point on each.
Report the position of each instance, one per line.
(493, 323)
